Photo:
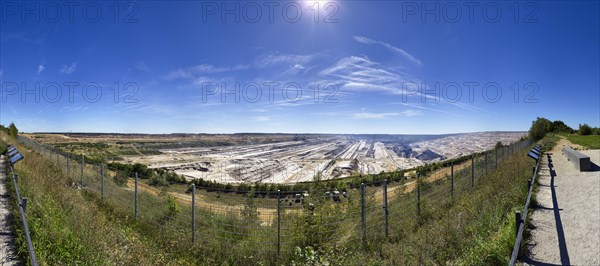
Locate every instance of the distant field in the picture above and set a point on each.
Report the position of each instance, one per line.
(589, 141)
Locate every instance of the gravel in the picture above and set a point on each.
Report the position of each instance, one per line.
(569, 233)
(7, 254)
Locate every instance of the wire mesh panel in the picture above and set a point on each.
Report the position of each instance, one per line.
(243, 226)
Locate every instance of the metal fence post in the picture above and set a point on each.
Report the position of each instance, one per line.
(486, 163)
(418, 198)
(57, 157)
(517, 225)
(472, 171)
(136, 195)
(102, 179)
(363, 215)
(278, 223)
(193, 213)
(452, 180)
(496, 159)
(385, 208)
(82, 164)
(68, 162)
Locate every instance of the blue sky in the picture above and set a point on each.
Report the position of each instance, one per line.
(396, 67)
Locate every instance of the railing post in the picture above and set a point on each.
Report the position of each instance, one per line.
(136, 195)
(363, 215)
(193, 213)
(452, 180)
(472, 171)
(102, 180)
(24, 204)
(82, 165)
(517, 225)
(517, 222)
(278, 224)
(385, 208)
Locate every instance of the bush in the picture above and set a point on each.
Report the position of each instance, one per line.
(539, 128)
(120, 178)
(584, 130)
(158, 180)
(2, 147)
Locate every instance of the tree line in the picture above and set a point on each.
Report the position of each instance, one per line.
(541, 126)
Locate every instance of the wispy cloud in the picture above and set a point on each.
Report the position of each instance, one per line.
(40, 69)
(73, 109)
(394, 49)
(362, 74)
(262, 118)
(368, 115)
(288, 59)
(199, 70)
(142, 66)
(421, 107)
(68, 69)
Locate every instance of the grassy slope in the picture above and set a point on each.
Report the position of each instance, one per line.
(65, 228)
(477, 228)
(589, 141)
(70, 226)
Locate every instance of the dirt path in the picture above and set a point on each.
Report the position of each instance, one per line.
(412, 185)
(567, 219)
(266, 215)
(7, 254)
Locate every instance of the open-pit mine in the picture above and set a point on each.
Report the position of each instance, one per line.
(311, 157)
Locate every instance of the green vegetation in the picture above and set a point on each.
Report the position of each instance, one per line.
(77, 226)
(584, 129)
(12, 130)
(541, 126)
(97, 152)
(589, 141)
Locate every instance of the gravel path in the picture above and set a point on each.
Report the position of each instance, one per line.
(7, 254)
(567, 220)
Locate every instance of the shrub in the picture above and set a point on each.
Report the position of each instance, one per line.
(584, 130)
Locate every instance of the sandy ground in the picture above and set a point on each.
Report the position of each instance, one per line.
(567, 220)
(7, 254)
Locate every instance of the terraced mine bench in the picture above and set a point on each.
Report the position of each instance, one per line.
(580, 160)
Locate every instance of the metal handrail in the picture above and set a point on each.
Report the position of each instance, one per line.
(23, 218)
(523, 218)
